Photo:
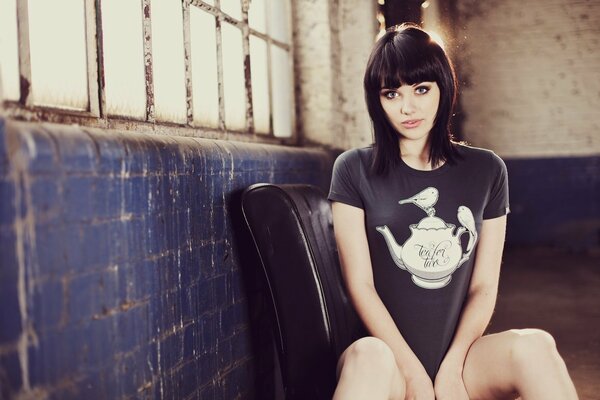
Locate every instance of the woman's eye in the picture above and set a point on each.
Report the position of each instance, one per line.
(422, 90)
(390, 95)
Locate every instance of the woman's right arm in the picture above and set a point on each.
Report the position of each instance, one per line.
(355, 260)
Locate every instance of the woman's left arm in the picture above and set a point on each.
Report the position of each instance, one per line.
(479, 304)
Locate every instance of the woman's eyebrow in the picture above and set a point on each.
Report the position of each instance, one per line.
(392, 87)
(406, 84)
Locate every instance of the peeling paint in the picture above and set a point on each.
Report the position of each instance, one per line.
(24, 229)
(148, 69)
(24, 86)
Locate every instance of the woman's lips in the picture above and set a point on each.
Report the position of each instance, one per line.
(412, 123)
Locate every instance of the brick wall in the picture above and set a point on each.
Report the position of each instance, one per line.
(532, 72)
(125, 270)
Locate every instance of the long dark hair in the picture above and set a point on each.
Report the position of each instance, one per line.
(406, 54)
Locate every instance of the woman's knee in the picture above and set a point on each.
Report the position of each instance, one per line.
(530, 346)
(371, 359)
(370, 352)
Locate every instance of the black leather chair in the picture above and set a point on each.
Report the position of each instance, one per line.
(292, 227)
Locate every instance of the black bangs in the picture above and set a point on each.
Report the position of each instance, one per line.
(408, 57)
(399, 68)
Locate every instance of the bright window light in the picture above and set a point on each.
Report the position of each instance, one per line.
(168, 61)
(257, 16)
(233, 78)
(279, 20)
(124, 57)
(260, 84)
(205, 87)
(233, 8)
(281, 80)
(58, 53)
(9, 50)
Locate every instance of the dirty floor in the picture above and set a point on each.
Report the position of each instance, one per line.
(559, 292)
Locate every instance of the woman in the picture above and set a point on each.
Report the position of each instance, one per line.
(419, 223)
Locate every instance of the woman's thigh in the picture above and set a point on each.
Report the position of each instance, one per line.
(489, 369)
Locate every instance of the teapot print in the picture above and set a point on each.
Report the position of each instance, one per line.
(433, 251)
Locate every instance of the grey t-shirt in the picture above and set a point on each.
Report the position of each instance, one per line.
(422, 228)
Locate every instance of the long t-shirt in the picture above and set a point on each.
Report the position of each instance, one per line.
(422, 230)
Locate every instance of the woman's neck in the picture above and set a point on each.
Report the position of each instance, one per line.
(416, 154)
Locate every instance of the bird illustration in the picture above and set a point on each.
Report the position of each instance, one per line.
(425, 200)
(465, 217)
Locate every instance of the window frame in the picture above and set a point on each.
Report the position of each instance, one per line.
(95, 116)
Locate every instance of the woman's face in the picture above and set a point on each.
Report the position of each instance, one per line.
(411, 109)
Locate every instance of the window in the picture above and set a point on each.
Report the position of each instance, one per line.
(9, 50)
(221, 68)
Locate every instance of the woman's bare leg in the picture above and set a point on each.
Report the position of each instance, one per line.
(519, 362)
(367, 370)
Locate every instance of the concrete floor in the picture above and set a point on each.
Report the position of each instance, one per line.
(560, 293)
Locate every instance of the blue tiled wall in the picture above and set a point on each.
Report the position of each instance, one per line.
(555, 202)
(125, 271)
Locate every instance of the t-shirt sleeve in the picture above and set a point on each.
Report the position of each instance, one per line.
(345, 180)
(498, 204)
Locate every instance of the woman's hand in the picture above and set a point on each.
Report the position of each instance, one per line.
(449, 384)
(419, 386)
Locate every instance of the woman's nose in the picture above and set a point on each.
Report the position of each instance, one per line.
(408, 106)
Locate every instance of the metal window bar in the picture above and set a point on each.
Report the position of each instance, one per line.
(147, 29)
(24, 53)
(92, 54)
(247, 70)
(99, 47)
(219, 20)
(187, 51)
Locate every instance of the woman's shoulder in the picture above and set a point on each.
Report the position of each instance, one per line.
(357, 155)
(479, 155)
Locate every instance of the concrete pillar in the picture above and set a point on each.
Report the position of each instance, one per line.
(332, 41)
